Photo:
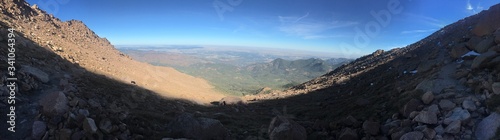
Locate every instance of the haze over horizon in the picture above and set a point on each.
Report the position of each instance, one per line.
(343, 27)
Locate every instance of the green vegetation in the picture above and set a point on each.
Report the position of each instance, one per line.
(277, 75)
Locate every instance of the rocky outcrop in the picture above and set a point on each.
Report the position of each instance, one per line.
(487, 128)
(187, 126)
(282, 128)
(54, 104)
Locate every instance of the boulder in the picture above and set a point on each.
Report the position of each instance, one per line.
(446, 105)
(426, 117)
(469, 105)
(487, 128)
(36, 73)
(213, 129)
(372, 128)
(89, 126)
(429, 133)
(282, 128)
(457, 114)
(427, 97)
(484, 45)
(230, 100)
(348, 134)
(433, 109)
(459, 50)
(106, 126)
(184, 126)
(496, 87)
(472, 43)
(65, 134)
(453, 127)
(54, 104)
(415, 135)
(411, 106)
(488, 22)
(481, 60)
(351, 121)
(38, 130)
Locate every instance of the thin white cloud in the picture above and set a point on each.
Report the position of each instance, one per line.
(426, 20)
(469, 6)
(309, 29)
(418, 31)
(292, 19)
(473, 9)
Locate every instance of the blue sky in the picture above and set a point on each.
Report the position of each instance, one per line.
(342, 27)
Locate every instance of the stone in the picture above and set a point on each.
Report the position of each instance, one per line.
(429, 133)
(184, 125)
(459, 50)
(348, 134)
(213, 129)
(106, 126)
(78, 135)
(457, 114)
(65, 134)
(488, 22)
(439, 130)
(472, 43)
(484, 45)
(481, 60)
(286, 129)
(413, 114)
(433, 109)
(496, 88)
(446, 105)
(426, 117)
(397, 135)
(427, 97)
(469, 105)
(411, 106)
(415, 135)
(35, 72)
(230, 100)
(89, 126)
(453, 127)
(351, 121)
(487, 128)
(84, 112)
(372, 128)
(54, 104)
(38, 130)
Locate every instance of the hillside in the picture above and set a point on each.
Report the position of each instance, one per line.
(72, 84)
(76, 43)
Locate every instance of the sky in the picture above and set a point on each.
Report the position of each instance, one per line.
(346, 28)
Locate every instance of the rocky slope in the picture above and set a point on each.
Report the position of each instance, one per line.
(79, 87)
(432, 89)
(75, 42)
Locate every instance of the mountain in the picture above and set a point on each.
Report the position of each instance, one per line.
(72, 84)
(446, 86)
(64, 68)
(227, 71)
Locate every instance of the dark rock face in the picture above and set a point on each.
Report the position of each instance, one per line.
(54, 104)
(187, 126)
(489, 22)
(487, 128)
(282, 128)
